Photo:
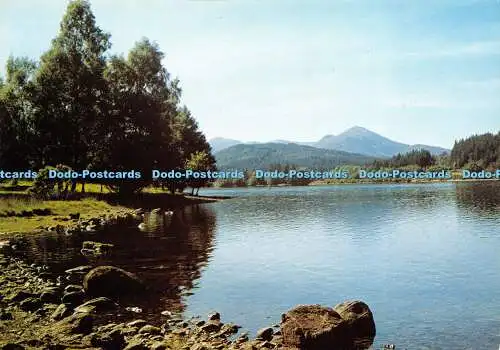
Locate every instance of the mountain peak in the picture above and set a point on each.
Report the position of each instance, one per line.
(357, 130)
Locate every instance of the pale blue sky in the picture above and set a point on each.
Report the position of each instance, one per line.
(417, 71)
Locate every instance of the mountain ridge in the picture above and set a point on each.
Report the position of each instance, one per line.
(356, 139)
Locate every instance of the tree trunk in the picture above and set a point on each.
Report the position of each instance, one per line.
(73, 186)
(192, 191)
(83, 187)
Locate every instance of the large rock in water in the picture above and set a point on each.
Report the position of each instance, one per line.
(111, 281)
(358, 317)
(314, 327)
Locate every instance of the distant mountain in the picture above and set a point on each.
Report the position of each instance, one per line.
(364, 141)
(354, 140)
(220, 143)
(263, 155)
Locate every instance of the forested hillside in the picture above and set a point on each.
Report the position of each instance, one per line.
(477, 151)
(265, 155)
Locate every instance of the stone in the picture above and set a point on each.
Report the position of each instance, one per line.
(30, 304)
(61, 312)
(358, 317)
(98, 304)
(265, 333)
(111, 281)
(20, 296)
(50, 296)
(80, 323)
(110, 340)
(211, 327)
(214, 316)
(314, 327)
(11, 346)
(73, 288)
(149, 329)
(73, 298)
(137, 323)
(5, 315)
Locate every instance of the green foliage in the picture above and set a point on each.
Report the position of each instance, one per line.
(81, 108)
(45, 188)
(264, 156)
(199, 161)
(420, 158)
(477, 152)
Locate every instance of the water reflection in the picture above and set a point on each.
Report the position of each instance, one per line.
(479, 198)
(169, 255)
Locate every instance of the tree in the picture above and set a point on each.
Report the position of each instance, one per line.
(202, 162)
(71, 90)
(16, 111)
(142, 100)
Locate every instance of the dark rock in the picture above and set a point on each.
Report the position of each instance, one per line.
(265, 333)
(73, 298)
(61, 312)
(98, 304)
(74, 216)
(30, 304)
(215, 316)
(5, 315)
(11, 346)
(314, 327)
(20, 296)
(358, 317)
(110, 340)
(50, 296)
(211, 327)
(111, 281)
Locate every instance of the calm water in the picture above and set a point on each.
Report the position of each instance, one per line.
(425, 258)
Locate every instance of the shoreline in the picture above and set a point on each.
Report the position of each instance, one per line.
(41, 311)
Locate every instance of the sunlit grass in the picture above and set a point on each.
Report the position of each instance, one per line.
(88, 207)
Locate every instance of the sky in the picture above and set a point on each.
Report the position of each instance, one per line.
(416, 71)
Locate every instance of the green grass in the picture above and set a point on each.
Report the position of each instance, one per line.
(88, 207)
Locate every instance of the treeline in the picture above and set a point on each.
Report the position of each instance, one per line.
(81, 107)
(477, 152)
(419, 157)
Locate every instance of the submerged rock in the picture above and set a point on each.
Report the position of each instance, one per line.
(111, 281)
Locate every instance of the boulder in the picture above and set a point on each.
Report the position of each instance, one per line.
(111, 281)
(359, 318)
(30, 304)
(73, 298)
(50, 295)
(314, 327)
(265, 333)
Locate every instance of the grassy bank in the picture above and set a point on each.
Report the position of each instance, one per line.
(20, 212)
(16, 214)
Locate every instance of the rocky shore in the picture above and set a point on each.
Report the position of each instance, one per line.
(83, 311)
